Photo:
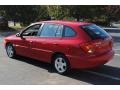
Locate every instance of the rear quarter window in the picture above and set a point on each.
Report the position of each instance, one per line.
(95, 32)
(68, 32)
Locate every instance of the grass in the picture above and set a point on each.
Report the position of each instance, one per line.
(17, 26)
(12, 28)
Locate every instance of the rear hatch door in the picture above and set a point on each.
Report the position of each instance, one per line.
(100, 39)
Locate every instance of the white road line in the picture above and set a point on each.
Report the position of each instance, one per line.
(117, 49)
(103, 75)
(117, 54)
(112, 28)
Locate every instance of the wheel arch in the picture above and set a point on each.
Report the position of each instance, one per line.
(7, 43)
(66, 59)
(58, 53)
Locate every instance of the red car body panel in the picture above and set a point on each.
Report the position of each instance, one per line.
(42, 48)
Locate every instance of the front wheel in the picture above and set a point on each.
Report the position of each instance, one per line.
(10, 50)
(61, 64)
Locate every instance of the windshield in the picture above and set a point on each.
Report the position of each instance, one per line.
(95, 32)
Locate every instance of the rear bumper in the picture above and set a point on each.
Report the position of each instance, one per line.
(90, 62)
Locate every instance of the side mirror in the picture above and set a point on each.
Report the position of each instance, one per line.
(18, 35)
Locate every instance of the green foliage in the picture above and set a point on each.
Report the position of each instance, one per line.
(24, 14)
(58, 12)
(69, 18)
(31, 13)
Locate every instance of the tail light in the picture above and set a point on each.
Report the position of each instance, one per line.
(88, 48)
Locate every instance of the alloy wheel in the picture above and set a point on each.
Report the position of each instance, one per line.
(60, 65)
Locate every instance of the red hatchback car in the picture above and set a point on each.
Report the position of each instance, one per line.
(65, 44)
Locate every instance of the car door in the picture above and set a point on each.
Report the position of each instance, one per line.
(47, 41)
(23, 44)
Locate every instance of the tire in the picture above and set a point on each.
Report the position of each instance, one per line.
(61, 64)
(10, 51)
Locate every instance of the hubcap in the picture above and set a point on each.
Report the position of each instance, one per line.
(10, 51)
(60, 65)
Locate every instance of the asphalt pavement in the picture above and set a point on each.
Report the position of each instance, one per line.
(26, 71)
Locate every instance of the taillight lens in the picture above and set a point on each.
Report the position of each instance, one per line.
(88, 48)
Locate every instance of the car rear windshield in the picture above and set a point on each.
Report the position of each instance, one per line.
(95, 32)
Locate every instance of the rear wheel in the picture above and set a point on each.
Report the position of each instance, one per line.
(61, 64)
(10, 50)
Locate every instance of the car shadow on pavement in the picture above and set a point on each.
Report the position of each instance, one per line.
(104, 75)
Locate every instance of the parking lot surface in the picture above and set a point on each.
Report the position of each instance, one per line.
(27, 71)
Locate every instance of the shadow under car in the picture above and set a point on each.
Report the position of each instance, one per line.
(104, 75)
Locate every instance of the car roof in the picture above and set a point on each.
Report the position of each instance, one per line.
(63, 22)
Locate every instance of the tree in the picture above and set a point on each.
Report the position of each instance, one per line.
(42, 13)
(24, 14)
(85, 11)
(112, 13)
(57, 11)
(32, 13)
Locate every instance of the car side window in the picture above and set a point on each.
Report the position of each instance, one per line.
(32, 30)
(51, 30)
(68, 32)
